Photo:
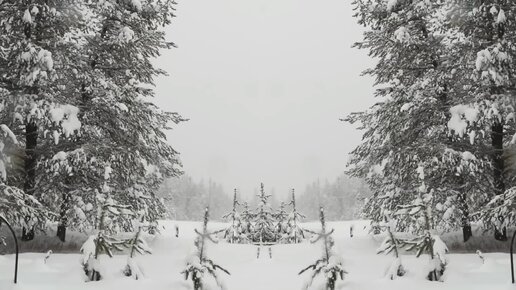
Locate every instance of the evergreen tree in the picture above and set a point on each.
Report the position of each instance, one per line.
(247, 218)
(391, 244)
(233, 234)
(35, 35)
(136, 244)
(75, 82)
(17, 207)
(115, 80)
(483, 43)
(281, 223)
(426, 242)
(407, 130)
(330, 264)
(263, 230)
(198, 264)
(103, 242)
(295, 233)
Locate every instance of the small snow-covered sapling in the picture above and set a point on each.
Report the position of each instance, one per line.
(263, 230)
(136, 244)
(426, 242)
(481, 256)
(47, 256)
(330, 264)
(391, 245)
(101, 243)
(233, 234)
(294, 231)
(198, 264)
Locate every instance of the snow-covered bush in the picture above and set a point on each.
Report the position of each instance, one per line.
(435, 248)
(426, 242)
(198, 264)
(330, 264)
(136, 244)
(391, 244)
(102, 242)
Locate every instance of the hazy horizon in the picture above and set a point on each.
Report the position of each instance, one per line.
(264, 85)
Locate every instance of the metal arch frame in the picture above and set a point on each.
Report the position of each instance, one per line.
(512, 259)
(2, 219)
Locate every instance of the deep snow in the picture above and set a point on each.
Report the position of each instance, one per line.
(162, 268)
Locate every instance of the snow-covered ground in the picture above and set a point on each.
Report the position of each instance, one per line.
(163, 267)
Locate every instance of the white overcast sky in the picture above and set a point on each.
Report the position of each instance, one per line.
(264, 84)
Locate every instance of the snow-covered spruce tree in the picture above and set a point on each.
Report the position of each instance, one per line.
(136, 244)
(407, 129)
(75, 193)
(128, 36)
(39, 43)
(330, 264)
(295, 233)
(263, 230)
(281, 225)
(247, 217)
(121, 127)
(199, 264)
(391, 244)
(233, 233)
(104, 241)
(15, 205)
(483, 45)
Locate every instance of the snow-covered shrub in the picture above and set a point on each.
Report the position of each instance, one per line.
(102, 242)
(198, 264)
(435, 248)
(391, 245)
(136, 244)
(330, 264)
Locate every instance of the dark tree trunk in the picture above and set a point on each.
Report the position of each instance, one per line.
(63, 218)
(31, 159)
(464, 209)
(498, 174)
(498, 162)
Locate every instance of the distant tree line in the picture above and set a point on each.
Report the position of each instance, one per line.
(186, 199)
(341, 198)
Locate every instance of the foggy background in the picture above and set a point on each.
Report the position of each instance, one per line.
(264, 84)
